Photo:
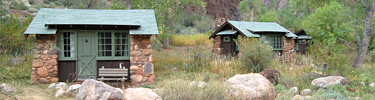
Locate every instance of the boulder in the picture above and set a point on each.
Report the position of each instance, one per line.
(199, 83)
(140, 94)
(251, 86)
(93, 90)
(299, 97)
(324, 82)
(293, 90)
(105, 96)
(61, 85)
(6, 89)
(52, 85)
(73, 89)
(272, 75)
(306, 92)
(60, 93)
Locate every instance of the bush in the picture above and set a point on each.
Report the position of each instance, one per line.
(254, 54)
(19, 5)
(370, 57)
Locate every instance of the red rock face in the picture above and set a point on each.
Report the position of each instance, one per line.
(223, 9)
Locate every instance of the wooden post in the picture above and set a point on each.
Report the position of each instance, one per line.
(166, 43)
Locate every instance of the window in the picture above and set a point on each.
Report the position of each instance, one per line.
(121, 44)
(66, 45)
(105, 44)
(226, 39)
(113, 44)
(276, 41)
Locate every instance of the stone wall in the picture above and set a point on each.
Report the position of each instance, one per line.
(141, 69)
(44, 66)
(288, 49)
(216, 46)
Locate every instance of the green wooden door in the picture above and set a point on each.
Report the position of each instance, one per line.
(86, 61)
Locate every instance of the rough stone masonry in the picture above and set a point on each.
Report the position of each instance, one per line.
(44, 68)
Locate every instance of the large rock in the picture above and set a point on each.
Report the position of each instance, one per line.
(61, 85)
(272, 75)
(140, 94)
(93, 90)
(73, 89)
(306, 92)
(324, 82)
(251, 86)
(6, 89)
(60, 93)
(299, 97)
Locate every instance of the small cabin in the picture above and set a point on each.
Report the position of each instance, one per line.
(281, 39)
(77, 44)
(302, 41)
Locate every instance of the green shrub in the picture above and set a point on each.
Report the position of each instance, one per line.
(12, 38)
(370, 57)
(19, 5)
(254, 54)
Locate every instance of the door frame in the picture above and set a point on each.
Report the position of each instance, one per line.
(94, 53)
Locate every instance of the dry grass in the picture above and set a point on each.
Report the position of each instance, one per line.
(190, 40)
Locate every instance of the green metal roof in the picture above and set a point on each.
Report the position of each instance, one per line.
(250, 28)
(226, 32)
(145, 18)
(304, 37)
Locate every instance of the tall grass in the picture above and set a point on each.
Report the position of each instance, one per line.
(190, 40)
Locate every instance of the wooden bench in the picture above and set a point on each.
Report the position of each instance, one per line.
(113, 74)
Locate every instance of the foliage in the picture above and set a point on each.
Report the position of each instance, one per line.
(258, 6)
(21, 70)
(254, 54)
(332, 35)
(19, 5)
(269, 16)
(118, 4)
(12, 38)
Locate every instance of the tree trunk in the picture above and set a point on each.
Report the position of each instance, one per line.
(251, 11)
(366, 35)
(129, 4)
(91, 4)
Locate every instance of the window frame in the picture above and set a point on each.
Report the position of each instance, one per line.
(96, 32)
(113, 57)
(226, 38)
(279, 41)
(60, 45)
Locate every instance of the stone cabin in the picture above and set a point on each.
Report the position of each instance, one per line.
(281, 39)
(72, 44)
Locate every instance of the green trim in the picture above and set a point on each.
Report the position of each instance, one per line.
(275, 40)
(75, 51)
(61, 44)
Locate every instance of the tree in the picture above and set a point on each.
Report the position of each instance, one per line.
(332, 31)
(366, 35)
